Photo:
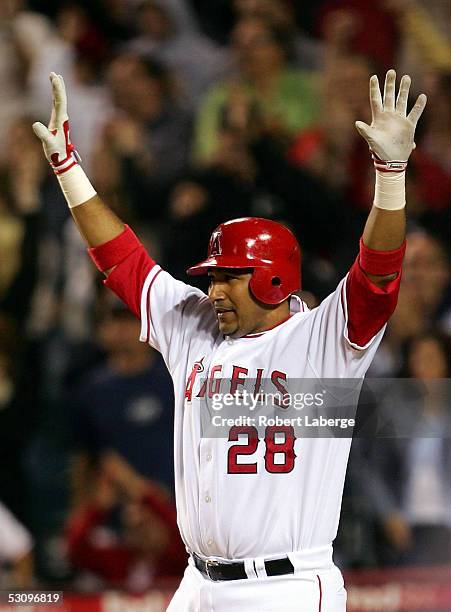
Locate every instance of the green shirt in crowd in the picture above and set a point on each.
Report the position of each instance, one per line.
(293, 102)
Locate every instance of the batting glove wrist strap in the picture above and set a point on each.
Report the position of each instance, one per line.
(388, 166)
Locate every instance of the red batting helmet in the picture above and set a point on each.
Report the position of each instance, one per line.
(269, 248)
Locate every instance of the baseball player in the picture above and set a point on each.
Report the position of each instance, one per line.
(258, 515)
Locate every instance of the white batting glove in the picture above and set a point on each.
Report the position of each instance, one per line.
(391, 133)
(59, 150)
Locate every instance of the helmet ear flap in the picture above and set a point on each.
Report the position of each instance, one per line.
(267, 287)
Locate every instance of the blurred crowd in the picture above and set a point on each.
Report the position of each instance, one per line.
(187, 113)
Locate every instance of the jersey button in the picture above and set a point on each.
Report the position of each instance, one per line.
(209, 457)
(210, 542)
(207, 499)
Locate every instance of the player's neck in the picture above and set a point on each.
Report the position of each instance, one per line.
(273, 317)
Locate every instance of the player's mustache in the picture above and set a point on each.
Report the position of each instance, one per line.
(222, 308)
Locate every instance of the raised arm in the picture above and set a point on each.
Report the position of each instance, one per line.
(114, 248)
(131, 273)
(391, 140)
(97, 223)
(372, 285)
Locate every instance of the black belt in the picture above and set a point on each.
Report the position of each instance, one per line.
(217, 571)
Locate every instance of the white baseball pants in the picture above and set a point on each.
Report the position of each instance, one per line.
(304, 591)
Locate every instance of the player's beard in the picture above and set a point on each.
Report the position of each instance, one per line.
(228, 322)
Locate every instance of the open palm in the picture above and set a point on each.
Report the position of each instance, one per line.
(391, 133)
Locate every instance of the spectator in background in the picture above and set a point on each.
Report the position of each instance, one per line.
(17, 417)
(285, 98)
(429, 184)
(145, 143)
(126, 534)
(75, 47)
(248, 175)
(11, 234)
(430, 178)
(218, 18)
(71, 37)
(360, 27)
(427, 276)
(13, 68)
(410, 485)
(124, 405)
(31, 46)
(307, 53)
(21, 179)
(195, 61)
(437, 128)
(195, 206)
(336, 156)
(423, 300)
(424, 29)
(16, 557)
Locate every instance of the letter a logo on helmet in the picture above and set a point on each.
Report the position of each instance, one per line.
(268, 248)
(215, 244)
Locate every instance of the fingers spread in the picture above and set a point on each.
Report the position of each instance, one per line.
(389, 91)
(417, 109)
(59, 97)
(375, 96)
(403, 95)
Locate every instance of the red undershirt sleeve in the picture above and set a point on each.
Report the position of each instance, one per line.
(368, 306)
(129, 263)
(127, 278)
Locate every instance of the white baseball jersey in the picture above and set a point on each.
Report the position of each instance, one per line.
(265, 508)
